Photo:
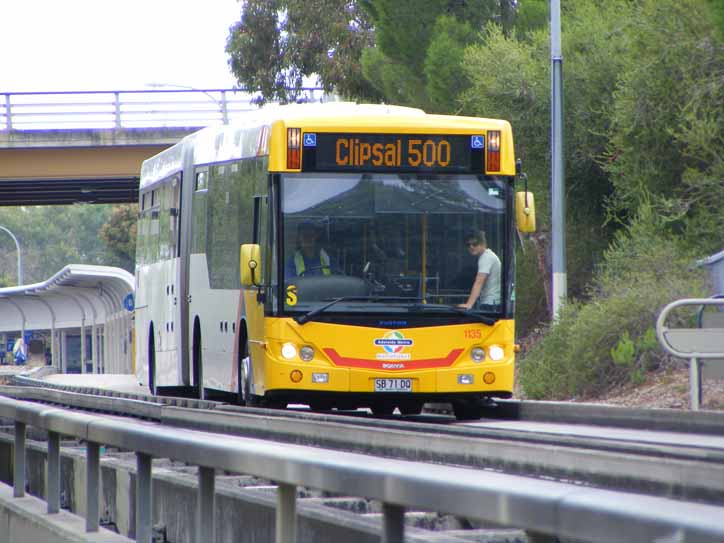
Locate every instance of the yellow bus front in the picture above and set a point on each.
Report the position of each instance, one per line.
(375, 233)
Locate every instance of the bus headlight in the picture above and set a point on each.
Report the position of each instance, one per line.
(477, 354)
(306, 353)
(496, 352)
(289, 351)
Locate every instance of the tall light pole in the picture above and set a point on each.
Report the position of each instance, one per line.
(20, 256)
(221, 105)
(558, 202)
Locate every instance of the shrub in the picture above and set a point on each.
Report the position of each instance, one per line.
(609, 340)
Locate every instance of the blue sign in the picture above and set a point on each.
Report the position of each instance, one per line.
(477, 142)
(128, 302)
(310, 140)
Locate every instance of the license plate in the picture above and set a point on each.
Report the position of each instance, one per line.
(393, 385)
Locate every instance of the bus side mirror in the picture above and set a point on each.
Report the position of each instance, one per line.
(250, 265)
(525, 212)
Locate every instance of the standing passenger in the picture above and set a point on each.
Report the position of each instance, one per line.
(20, 351)
(485, 291)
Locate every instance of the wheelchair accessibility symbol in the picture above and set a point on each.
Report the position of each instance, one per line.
(477, 142)
(310, 140)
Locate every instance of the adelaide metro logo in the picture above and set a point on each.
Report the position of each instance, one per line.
(393, 344)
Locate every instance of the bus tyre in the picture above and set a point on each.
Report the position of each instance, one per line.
(411, 408)
(151, 363)
(244, 381)
(467, 409)
(382, 409)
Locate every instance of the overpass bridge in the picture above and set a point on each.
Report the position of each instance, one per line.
(73, 147)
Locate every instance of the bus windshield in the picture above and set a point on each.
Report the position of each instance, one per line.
(393, 243)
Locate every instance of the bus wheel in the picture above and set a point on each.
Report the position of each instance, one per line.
(320, 405)
(382, 409)
(196, 361)
(411, 408)
(151, 362)
(274, 403)
(244, 381)
(467, 409)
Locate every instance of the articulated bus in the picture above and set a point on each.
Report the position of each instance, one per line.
(316, 254)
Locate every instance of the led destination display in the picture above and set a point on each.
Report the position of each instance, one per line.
(393, 152)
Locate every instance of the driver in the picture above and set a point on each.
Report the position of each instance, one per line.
(309, 258)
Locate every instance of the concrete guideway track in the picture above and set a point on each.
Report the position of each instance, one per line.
(681, 465)
(554, 507)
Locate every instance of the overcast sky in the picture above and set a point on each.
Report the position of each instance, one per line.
(52, 45)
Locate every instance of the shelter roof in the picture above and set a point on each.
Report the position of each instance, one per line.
(76, 294)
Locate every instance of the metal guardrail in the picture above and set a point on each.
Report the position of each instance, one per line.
(541, 506)
(117, 109)
(692, 344)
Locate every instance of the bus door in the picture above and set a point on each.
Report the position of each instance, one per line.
(174, 252)
(253, 297)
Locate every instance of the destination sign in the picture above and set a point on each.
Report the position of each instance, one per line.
(392, 152)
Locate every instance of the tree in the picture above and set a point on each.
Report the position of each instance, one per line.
(52, 237)
(418, 54)
(119, 236)
(666, 136)
(278, 44)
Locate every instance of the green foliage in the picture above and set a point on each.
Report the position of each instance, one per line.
(532, 15)
(279, 43)
(608, 340)
(648, 341)
(119, 236)
(444, 60)
(666, 122)
(716, 8)
(624, 351)
(51, 237)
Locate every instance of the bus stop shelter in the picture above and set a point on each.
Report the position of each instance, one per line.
(82, 317)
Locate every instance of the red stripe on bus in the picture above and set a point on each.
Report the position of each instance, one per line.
(400, 365)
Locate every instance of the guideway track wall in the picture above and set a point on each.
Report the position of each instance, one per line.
(689, 470)
(545, 506)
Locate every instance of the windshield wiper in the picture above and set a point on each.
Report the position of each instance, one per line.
(321, 309)
(459, 310)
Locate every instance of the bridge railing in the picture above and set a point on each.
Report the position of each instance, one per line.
(541, 506)
(128, 108)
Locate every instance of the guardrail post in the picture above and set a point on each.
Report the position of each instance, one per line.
(144, 533)
(117, 103)
(205, 525)
(286, 521)
(224, 108)
(8, 113)
(53, 484)
(393, 523)
(92, 477)
(19, 466)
